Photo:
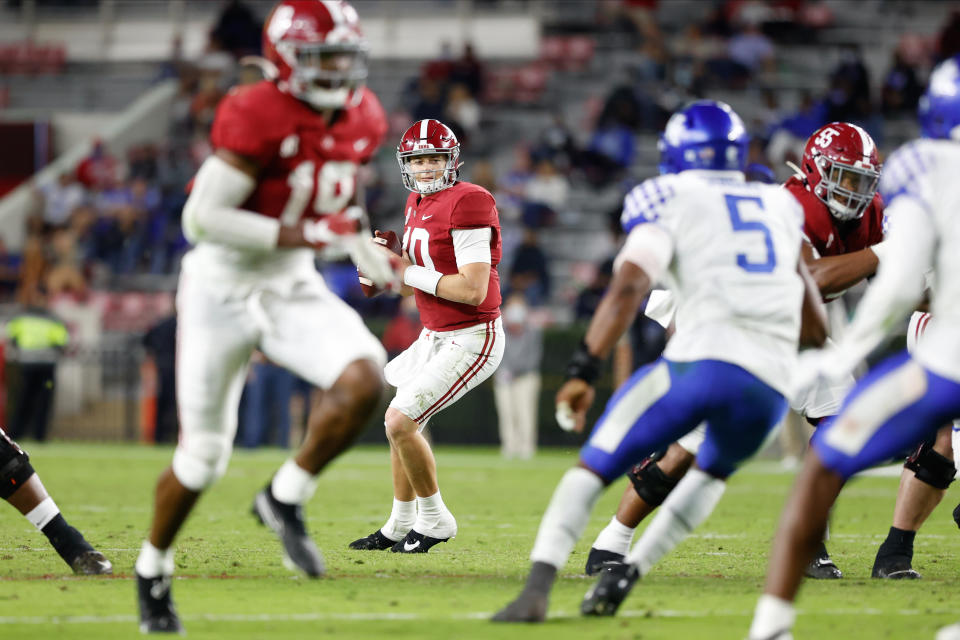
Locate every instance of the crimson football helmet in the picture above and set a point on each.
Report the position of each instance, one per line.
(427, 138)
(318, 50)
(841, 166)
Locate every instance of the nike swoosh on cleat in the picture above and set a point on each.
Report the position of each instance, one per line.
(410, 547)
(160, 589)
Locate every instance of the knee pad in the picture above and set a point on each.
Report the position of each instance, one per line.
(931, 467)
(15, 467)
(201, 459)
(651, 483)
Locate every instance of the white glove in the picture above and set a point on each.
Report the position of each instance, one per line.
(379, 264)
(341, 229)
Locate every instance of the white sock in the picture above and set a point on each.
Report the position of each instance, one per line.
(771, 616)
(429, 510)
(615, 537)
(955, 440)
(687, 506)
(43, 513)
(293, 484)
(566, 516)
(401, 520)
(154, 563)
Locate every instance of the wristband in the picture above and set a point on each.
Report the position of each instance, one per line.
(583, 365)
(422, 278)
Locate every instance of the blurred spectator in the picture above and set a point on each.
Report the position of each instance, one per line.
(36, 338)
(557, 143)
(948, 41)
(849, 96)
(9, 272)
(545, 194)
(482, 175)
(513, 183)
(529, 272)
(238, 29)
(751, 50)
(611, 151)
(265, 417)
(403, 329)
(160, 341)
(589, 298)
(901, 89)
(64, 273)
(462, 110)
(516, 383)
(60, 197)
(468, 71)
(756, 172)
(99, 169)
(429, 105)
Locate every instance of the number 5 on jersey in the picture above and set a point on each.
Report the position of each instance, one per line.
(416, 242)
(735, 204)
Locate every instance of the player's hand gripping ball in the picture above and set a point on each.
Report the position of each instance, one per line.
(389, 240)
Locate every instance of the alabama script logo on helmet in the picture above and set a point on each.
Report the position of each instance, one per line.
(427, 138)
(317, 51)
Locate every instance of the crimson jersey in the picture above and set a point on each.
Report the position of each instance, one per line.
(307, 168)
(427, 240)
(830, 237)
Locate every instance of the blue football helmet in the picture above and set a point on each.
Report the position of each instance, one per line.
(706, 134)
(939, 109)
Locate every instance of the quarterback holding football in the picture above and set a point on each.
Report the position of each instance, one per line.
(451, 247)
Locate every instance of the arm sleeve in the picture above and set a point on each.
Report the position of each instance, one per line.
(899, 283)
(211, 213)
(473, 211)
(471, 245)
(648, 246)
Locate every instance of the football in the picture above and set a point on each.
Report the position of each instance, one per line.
(390, 240)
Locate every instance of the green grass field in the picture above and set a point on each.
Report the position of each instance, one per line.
(232, 585)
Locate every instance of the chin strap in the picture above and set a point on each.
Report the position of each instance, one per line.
(797, 170)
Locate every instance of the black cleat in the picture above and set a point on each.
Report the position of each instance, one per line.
(598, 558)
(157, 613)
(894, 568)
(416, 543)
(822, 567)
(606, 596)
(376, 541)
(90, 562)
(530, 606)
(956, 515)
(286, 520)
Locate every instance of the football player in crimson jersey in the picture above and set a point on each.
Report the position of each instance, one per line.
(280, 185)
(843, 229)
(451, 241)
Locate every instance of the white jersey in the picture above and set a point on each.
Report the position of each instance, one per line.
(732, 249)
(920, 187)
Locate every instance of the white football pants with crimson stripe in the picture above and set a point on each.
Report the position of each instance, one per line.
(918, 324)
(441, 366)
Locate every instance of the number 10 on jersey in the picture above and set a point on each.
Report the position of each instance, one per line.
(416, 242)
